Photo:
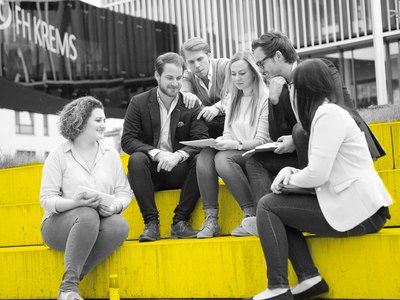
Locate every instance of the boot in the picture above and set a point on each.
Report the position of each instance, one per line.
(210, 227)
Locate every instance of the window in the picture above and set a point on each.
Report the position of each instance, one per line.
(26, 153)
(45, 125)
(24, 123)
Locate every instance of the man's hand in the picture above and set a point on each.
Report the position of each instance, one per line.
(190, 100)
(287, 145)
(167, 160)
(282, 178)
(208, 113)
(275, 88)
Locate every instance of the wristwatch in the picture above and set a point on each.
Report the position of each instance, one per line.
(240, 146)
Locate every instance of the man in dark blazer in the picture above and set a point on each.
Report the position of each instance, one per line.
(277, 58)
(155, 122)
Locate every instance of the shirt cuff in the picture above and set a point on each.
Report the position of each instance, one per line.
(183, 154)
(153, 153)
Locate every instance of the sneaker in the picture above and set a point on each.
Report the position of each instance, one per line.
(69, 296)
(240, 231)
(151, 232)
(209, 229)
(250, 225)
(182, 230)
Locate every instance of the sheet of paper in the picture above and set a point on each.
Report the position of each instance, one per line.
(200, 143)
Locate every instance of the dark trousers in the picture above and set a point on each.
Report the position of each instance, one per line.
(145, 180)
(216, 126)
(280, 222)
(263, 166)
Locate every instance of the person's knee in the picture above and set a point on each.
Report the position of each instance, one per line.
(118, 227)
(205, 161)
(266, 203)
(138, 161)
(87, 215)
(223, 163)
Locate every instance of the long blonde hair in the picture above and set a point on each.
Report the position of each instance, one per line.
(236, 94)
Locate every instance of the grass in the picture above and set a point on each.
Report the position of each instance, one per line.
(382, 113)
(12, 160)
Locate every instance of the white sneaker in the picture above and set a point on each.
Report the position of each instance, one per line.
(69, 296)
(250, 225)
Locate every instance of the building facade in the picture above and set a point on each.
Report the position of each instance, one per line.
(362, 37)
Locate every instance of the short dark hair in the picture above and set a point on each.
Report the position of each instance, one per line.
(74, 116)
(273, 41)
(313, 83)
(168, 58)
(195, 44)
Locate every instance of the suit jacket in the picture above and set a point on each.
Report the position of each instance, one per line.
(142, 126)
(281, 116)
(192, 84)
(282, 119)
(348, 188)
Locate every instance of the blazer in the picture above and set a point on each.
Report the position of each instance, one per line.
(282, 119)
(340, 167)
(141, 130)
(219, 72)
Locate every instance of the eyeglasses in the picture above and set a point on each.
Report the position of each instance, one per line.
(260, 63)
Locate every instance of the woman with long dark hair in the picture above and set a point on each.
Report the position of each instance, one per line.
(350, 198)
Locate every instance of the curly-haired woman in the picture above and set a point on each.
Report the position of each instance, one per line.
(87, 231)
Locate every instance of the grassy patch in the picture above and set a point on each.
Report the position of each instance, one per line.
(382, 113)
(12, 160)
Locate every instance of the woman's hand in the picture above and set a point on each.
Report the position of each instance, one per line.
(107, 211)
(223, 144)
(282, 178)
(82, 200)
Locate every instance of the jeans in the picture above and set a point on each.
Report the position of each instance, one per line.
(86, 238)
(280, 222)
(145, 180)
(263, 166)
(230, 166)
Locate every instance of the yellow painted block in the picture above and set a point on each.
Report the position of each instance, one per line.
(20, 185)
(124, 160)
(383, 133)
(226, 267)
(396, 144)
(20, 225)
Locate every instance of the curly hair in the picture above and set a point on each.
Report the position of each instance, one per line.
(74, 116)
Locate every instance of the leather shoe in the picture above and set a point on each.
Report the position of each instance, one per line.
(317, 289)
(182, 230)
(151, 232)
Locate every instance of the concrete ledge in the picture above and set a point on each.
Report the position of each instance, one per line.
(20, 224)
(364, 267)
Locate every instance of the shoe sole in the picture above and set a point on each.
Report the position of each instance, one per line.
(317, 289)
(174, 236)
(148, 240)
(208, 237)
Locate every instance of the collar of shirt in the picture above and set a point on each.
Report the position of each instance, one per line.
(210, 74)
(165, 142)
(293, 101)
(69, 145)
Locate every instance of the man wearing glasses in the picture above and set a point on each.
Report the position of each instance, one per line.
(276, 59)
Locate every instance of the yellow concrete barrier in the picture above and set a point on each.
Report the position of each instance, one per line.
(383, 132)
(364, 267)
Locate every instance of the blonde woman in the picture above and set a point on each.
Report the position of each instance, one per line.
(246, 126)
